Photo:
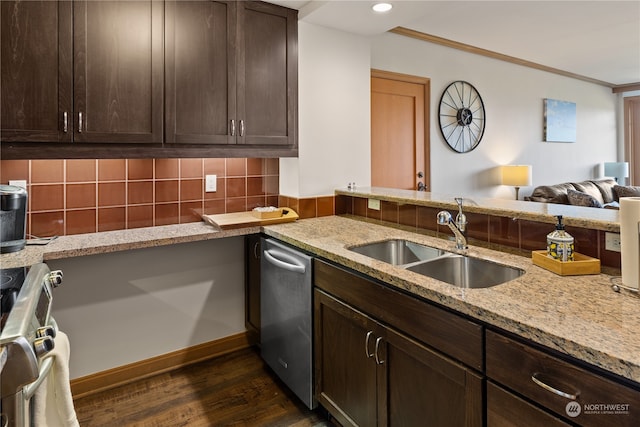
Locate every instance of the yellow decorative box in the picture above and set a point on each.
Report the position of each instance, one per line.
(581, 264)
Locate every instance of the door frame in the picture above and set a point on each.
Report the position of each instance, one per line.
(631, 146)
(426, 83)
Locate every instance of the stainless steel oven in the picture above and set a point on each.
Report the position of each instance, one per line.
(27, 334)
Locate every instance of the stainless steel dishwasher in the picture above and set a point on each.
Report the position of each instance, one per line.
(286, 334)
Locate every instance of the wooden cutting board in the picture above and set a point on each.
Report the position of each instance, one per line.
(248, 219)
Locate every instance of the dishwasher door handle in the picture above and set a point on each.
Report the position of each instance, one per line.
(284, 261)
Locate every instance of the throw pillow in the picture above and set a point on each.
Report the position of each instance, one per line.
(626, 191)
(579, 198)
(589, 188)
(606, 188)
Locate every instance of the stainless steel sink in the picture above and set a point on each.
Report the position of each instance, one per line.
(467, 272)
(398, 251)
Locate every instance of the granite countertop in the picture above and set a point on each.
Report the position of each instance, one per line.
(118, 240)
(577, 315)
(577, 216)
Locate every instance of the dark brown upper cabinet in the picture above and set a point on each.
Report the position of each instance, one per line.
(36, 71)
(118, 71)
(82, 72)
(147, 78)
(231, 73)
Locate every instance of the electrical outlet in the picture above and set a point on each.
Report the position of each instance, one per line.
(211, 184)
(374, 204)
(612, 242)
(18, 183)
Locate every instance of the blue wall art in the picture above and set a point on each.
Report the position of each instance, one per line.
(559, 121)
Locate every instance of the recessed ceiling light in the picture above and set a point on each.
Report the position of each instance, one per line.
(382, 7)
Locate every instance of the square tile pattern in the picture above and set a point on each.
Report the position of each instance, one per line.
(89, 195)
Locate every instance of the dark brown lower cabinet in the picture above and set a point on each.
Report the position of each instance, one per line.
(368, 374)
(386, 358)
(573, 393)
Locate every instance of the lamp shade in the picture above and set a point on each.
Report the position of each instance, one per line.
(516, 175)
(617, 170)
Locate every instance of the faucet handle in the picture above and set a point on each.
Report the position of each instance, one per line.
(444, 217)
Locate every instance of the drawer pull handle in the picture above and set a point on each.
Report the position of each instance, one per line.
(537, 378)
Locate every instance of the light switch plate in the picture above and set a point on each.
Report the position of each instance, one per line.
(374, 204)
(612, 242)
(211, 184)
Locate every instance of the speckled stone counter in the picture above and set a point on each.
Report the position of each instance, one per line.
(577, 315)
(578, 216)
(119, 240)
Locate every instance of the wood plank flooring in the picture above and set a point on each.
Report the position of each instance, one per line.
(237, 389)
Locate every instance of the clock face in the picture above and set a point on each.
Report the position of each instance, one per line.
(461, 115)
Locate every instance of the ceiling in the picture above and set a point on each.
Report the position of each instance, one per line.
(599, 40)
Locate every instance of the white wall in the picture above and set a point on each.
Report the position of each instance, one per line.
(334, 114)
(513, 97)
(124, 307)
(334, 138)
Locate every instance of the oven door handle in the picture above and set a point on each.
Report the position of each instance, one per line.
(30, 389)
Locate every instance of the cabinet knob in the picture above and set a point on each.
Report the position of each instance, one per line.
(233, 127)
(65, 122)
(80, 122)
(241, 127)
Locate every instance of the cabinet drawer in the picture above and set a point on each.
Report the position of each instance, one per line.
(448, 333)
(508, 410)
(543, 378)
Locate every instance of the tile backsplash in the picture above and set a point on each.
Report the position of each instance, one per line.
(496, 232)
(84, 196)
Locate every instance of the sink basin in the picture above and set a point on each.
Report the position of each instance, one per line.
(467, 272)
(398, 251)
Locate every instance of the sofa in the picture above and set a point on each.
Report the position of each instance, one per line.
(603, 193)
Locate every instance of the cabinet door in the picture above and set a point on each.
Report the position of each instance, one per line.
(422, 387)
(118, 69)
(345, 371)
(267, 74)
(200, 72)
(36, 71)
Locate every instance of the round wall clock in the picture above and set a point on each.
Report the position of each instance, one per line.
(461, 115)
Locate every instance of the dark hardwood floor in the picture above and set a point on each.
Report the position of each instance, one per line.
(237, 389)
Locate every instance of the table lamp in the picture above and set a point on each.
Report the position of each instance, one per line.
(617, 170)
(516, 175)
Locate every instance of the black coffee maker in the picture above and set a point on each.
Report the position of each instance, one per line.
(13, 218)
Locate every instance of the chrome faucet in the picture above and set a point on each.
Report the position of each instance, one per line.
(459, 226)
